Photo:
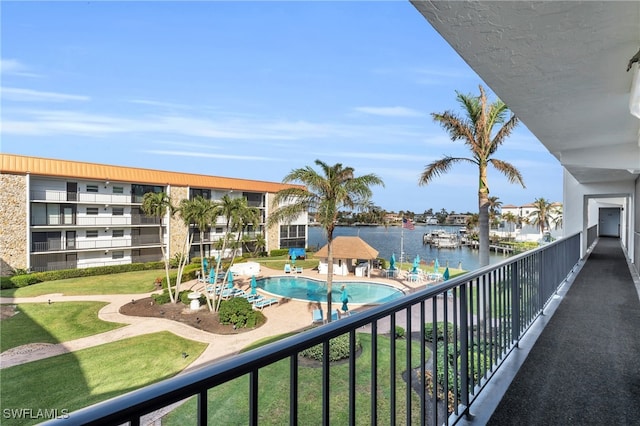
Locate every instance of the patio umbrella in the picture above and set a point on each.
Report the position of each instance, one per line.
(229, 279)
(293, 261)
(436, 266)
(392, 262)
(254, 284)
(446, 274)
(416, 264)
(345, 299)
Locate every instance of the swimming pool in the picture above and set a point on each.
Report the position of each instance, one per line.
(302, 288)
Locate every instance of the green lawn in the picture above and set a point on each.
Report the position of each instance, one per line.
(55, 323)
(75, 380)
(124, 283)
(228, 403)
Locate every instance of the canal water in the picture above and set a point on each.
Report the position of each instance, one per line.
(394, 239)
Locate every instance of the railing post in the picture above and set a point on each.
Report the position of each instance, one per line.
(515, 303)
(464, 347)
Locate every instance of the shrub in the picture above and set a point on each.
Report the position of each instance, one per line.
(440, 326)
(279, 252)
(161, 298)
(239, 312)
(338, 349)
(399, 332)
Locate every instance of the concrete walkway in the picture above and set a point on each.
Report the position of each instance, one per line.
(286, 316)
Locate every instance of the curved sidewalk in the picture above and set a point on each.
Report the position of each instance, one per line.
(286, 316)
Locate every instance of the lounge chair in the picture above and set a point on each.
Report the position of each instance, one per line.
(317, 316)
(335, 316)
(287, 268)
(298, 269)
(263, 303)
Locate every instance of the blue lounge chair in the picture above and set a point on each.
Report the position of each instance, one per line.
(263, 303)
(317, 316)
(334, 315)
(287, 268)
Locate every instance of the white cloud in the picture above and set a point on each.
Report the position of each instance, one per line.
(28, 95)
(15, 67)
(159, 103)
(396, 111)
(211, 155)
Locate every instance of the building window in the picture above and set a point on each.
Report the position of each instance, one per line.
(117, 255)
(92, 211)
(92, 188)
(117, 233)
(118, 190)
(118, 211)
(92, 234)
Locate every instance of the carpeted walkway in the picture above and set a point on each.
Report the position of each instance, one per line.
(585, 366)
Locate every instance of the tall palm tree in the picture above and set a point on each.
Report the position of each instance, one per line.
(476, 129)
(158, 205)
(541, 216)
(334, 188)
(201, 213)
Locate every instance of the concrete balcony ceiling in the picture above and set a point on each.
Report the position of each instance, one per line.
(561, 67)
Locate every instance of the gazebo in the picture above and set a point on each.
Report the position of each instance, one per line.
(351, 255)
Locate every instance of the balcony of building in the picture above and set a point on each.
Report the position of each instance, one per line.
(573, 319)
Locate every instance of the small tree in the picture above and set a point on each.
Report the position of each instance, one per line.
(158, 205)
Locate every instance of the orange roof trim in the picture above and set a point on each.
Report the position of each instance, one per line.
(18, 164)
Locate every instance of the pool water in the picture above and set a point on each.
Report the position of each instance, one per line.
(301, 288)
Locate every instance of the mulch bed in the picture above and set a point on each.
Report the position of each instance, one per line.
(202, 319)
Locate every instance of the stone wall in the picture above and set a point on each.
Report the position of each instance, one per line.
(177, 230)
(13, 223)
(272, 234)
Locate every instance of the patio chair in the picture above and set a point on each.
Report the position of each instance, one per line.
(317, 316)
(298, 269)
(287, 268)
(263, 303)
(335, 315)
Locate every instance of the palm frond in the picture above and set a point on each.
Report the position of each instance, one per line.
(512, 174)
(438, 167)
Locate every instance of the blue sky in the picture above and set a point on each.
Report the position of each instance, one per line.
(250, 90)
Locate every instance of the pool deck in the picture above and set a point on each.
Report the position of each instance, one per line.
(285, 316)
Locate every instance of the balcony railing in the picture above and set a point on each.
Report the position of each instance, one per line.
(80, 197)
(486, 312)
(89, 244)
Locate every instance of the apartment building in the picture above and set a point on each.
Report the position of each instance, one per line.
(58, 214)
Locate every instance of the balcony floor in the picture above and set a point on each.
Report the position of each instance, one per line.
(584, 367)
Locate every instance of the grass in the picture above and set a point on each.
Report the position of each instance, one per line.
(75, 380)
(233, 397)
(278, 262)
(55, 323)
(124, 283)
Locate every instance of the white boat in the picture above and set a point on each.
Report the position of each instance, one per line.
(441, 239)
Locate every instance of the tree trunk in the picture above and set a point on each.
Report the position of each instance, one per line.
(329, 274)
(483, 218)
(166, 262)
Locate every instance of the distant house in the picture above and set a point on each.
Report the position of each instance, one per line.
(351, 255)
(457, 219)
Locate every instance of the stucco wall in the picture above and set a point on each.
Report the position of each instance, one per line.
(13, 223)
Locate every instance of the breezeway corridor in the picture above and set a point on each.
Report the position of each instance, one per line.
(585, 366)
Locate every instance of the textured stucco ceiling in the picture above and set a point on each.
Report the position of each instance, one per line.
(561, 68)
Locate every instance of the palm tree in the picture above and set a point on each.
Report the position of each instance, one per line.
(494, 210)
(476, 129)
(326, 193)
(158, 204)
(557, 216)
(201, 213)
(510, 218)
(541, 216)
